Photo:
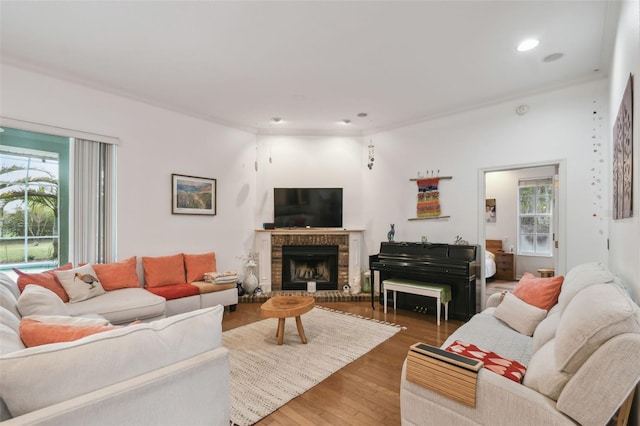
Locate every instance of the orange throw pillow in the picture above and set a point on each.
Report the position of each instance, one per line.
(117, 275)
(36, 333)
(199, 264)
(164, 270)
(540, 292)
(46, 279)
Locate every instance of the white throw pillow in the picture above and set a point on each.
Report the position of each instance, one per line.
(61, 371)
(594, 315)
(542, 375)
(37, 300)
(80, 283)
(520, 316)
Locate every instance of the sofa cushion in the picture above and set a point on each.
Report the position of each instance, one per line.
(9, 319)
(540, 292)
(542, 374)
(207, 287)
(520, 316)
(594, 315)
(38, 300)
(199, 264)
(68, 320)
(121, 306)
(9, 340)
(36, 333)
(80, 283)
(494, 362)
(164, 270)
(127, 351)
(546, 330)
(9, 332)
(46, 279)
(8, 301)
(581, 277)
(487, 331)
(171, 292)
(118, 274)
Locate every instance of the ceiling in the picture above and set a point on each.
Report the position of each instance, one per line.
(313, 63)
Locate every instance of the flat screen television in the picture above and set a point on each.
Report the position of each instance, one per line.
(307, 207)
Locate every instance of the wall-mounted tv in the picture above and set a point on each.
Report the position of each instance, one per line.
(307, 207)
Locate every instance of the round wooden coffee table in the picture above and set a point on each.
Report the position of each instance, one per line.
(282, 307)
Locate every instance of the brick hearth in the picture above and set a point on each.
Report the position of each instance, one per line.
(277, 241)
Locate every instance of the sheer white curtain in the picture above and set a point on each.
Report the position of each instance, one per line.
(93, 230)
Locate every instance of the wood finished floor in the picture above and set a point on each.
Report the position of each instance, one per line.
(365, 392)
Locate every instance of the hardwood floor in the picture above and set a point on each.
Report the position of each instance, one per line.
(367, 391)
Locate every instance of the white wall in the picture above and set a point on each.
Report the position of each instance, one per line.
(154, 144)
(503, 187)
(624, 253)
(558, 127)
(311, 161)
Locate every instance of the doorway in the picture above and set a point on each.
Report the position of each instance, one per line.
(533, 234)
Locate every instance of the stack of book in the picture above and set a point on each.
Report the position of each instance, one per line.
(227, 277)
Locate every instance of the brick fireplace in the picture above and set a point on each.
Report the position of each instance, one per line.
(308, 241)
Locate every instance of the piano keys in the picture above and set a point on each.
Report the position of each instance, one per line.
(430, 263)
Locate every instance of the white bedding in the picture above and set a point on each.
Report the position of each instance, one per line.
(490, 264)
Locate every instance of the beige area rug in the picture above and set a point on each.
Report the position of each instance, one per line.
(265, 376)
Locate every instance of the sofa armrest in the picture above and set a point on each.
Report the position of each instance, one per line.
(494, 300)
(499, 401)
(603, 382)
(104, 359)
(192, 391)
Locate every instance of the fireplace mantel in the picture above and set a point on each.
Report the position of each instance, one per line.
(264, 244)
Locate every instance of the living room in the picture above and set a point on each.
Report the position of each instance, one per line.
(155, 141)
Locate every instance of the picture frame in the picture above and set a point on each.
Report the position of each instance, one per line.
(193, 195)
(623, 156)
(490, 214)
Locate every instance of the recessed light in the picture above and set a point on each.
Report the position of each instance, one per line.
(527, 44)
(277, 119)
(552, 57)
(345, 121)
(362, 114)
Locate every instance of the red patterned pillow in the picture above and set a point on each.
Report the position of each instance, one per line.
(506, 367)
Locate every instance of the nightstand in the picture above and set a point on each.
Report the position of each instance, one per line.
(505, 268)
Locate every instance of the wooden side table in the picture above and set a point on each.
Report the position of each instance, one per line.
(546, 272)
(283, 307)
(505, 269)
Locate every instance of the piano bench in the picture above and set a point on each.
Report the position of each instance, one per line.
(442, 293)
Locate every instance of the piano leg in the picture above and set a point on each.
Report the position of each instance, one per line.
(385, 299)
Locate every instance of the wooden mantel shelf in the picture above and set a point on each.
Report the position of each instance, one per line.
(289, 231)
(430, 217)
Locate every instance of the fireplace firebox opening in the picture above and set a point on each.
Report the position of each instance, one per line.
(304, 263)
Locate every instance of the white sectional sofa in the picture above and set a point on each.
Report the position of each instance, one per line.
(165, 372)
(582, 361)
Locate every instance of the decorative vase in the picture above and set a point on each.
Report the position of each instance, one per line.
(391, 233)
(250, 283)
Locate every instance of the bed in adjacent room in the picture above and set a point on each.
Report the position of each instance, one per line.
(492, 247)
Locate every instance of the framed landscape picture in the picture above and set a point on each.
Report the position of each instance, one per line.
(193, 195)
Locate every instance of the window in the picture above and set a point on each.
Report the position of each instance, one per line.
(535, 212)
(40, 224)
(34, 183)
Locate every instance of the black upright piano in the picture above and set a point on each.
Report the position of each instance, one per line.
(431, 263)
